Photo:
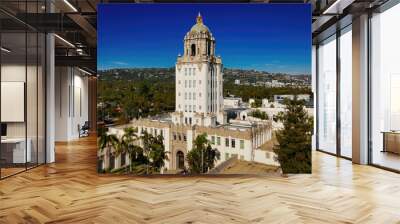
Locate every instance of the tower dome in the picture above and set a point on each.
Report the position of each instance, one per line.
(199, 42)
(199, 27)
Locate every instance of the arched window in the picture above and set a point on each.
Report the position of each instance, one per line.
(193, 50)
(208, 48)
(180, 160)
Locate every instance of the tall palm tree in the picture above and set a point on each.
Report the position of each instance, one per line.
(154, 151)
(147, 139)
(108, 141)
(128, 145)
(202, 157)
(157, 154)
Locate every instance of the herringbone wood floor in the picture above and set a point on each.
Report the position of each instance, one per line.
(70, 191)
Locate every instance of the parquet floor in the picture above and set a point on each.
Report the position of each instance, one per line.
(70, 191)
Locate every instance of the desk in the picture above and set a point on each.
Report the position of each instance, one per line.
(13, 150)
(391, 141)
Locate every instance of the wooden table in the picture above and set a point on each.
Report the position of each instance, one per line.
(391, 141)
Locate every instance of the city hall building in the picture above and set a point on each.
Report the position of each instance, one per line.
(199, 109)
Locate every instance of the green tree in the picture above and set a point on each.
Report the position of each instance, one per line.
(154, 151)
(108, 141)
(157, 154)
(202, 157)
(129, 145)
(259, 114)
(294, 140)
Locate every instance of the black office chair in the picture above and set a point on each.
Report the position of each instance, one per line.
(84, 130)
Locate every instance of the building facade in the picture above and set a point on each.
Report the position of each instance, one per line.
(199, 80)
(199, 109)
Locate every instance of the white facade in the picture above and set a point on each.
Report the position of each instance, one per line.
(199, 80)
(241, 139)
(71, 109)
(232, 102)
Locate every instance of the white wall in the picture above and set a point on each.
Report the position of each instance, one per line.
(71, 102)
(265, 157)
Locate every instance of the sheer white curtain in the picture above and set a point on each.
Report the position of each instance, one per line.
(346, 92)
(327, 95)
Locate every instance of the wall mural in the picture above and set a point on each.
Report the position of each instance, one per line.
(189, 89)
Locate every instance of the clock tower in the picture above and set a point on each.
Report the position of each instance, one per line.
(199, 80)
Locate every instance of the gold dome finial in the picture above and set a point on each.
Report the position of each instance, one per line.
(199, 18)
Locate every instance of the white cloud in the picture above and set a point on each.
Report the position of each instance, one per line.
(120, 63)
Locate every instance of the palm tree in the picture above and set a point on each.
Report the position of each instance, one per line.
(147, 138)
(202, 157)
(154, 151)
(108, 141)
(129, 145)
(157, 154)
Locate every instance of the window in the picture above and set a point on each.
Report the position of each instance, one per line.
(190, 83)
(218, 140)
(327, 98)
(185, 120)
(199, 82)
(385, 88)
(226, 156)
(199, 94)
(212, 139)
(179, 137)
(179, 82)
(184, 137)
(227, 142)
(179, 94)
(21, 63)
(346, 92)
(185, 83)
(190, 108)
(194, 83)
(185, 108)
(193, 48)
(112, 161)
(190, 120)
(233, 143)
(194, 96)
(194, 108)
(123, 159)
(241, 144)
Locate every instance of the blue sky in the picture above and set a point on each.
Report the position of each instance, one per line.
(268, 37)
